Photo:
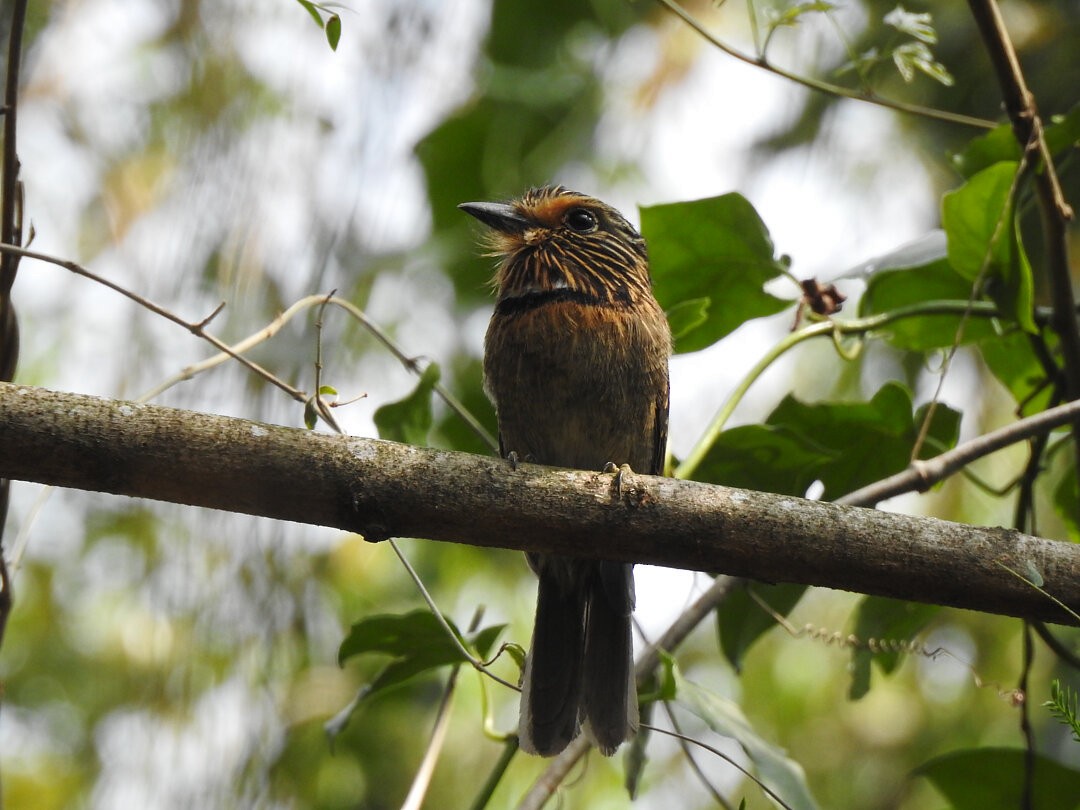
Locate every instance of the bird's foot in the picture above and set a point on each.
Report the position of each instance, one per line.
(512, 457)
(623, 486)
(623, 481)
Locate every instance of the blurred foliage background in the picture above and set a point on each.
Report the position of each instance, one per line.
(160, 656)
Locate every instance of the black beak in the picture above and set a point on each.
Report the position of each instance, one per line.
(499, 216)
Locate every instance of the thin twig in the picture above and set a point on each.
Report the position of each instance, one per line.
(234, 352)
(441, 619)
(824, 87)
(487, 790)
(921, 475)
(422, 779)
(718, 753)
(411, 363)
(196, 328)
(1027, 796)
(684, 744)
(272, 328)
(320, 404)
(1054, 643)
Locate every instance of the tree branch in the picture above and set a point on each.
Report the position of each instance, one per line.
(1054, 211)
(382, 489)
(921, 475)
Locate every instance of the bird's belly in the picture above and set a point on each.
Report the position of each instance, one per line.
(575, 386)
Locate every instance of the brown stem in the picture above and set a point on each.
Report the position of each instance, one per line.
(10, 168)
(1055, 212)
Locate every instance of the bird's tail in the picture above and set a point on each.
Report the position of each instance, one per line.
(609, 695)
(551, 686)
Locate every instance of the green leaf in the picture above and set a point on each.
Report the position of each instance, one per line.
(417, 642)
(333, 31)
(1065, 708)
(866, 441)
(1017, 295)
(517, 653)
(976, 221)
(1011, 358)
(996, 146)
(983, 241)
(715, 250)
(636, 754)
(878, 619)
(740, 620)
(483, 640)
(890, 290)
(993, 779)
(774, 768)
(667, 688)
(408, 420)
(313, 11)
(999, 144)
(1067, 498)
(845, 445)
(765, 458)
(1063, 131)
(686, 316)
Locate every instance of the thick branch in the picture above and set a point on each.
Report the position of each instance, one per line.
(383, 489)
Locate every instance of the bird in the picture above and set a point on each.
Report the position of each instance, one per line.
(576, 364)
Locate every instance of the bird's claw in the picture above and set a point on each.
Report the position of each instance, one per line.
(512, 457)
(622, 475)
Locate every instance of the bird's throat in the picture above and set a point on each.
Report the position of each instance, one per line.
(526, 302)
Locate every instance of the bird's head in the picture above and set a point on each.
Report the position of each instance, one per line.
(555, 239)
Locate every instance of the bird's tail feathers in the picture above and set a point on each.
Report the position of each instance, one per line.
(552, 681)
(609, 695)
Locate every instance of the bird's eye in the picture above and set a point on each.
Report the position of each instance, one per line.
(580, 220)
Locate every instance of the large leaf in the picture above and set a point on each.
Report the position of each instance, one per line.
(765, 458)
(893, 289)
(782, 775)
(996, 146)
(845, 445)
(993, 779)
(1011, 358)
(867, 441)
(416, 641)
(999, 144)
(714, 256)
(984, 242)
(408, 420)
(879, 621)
